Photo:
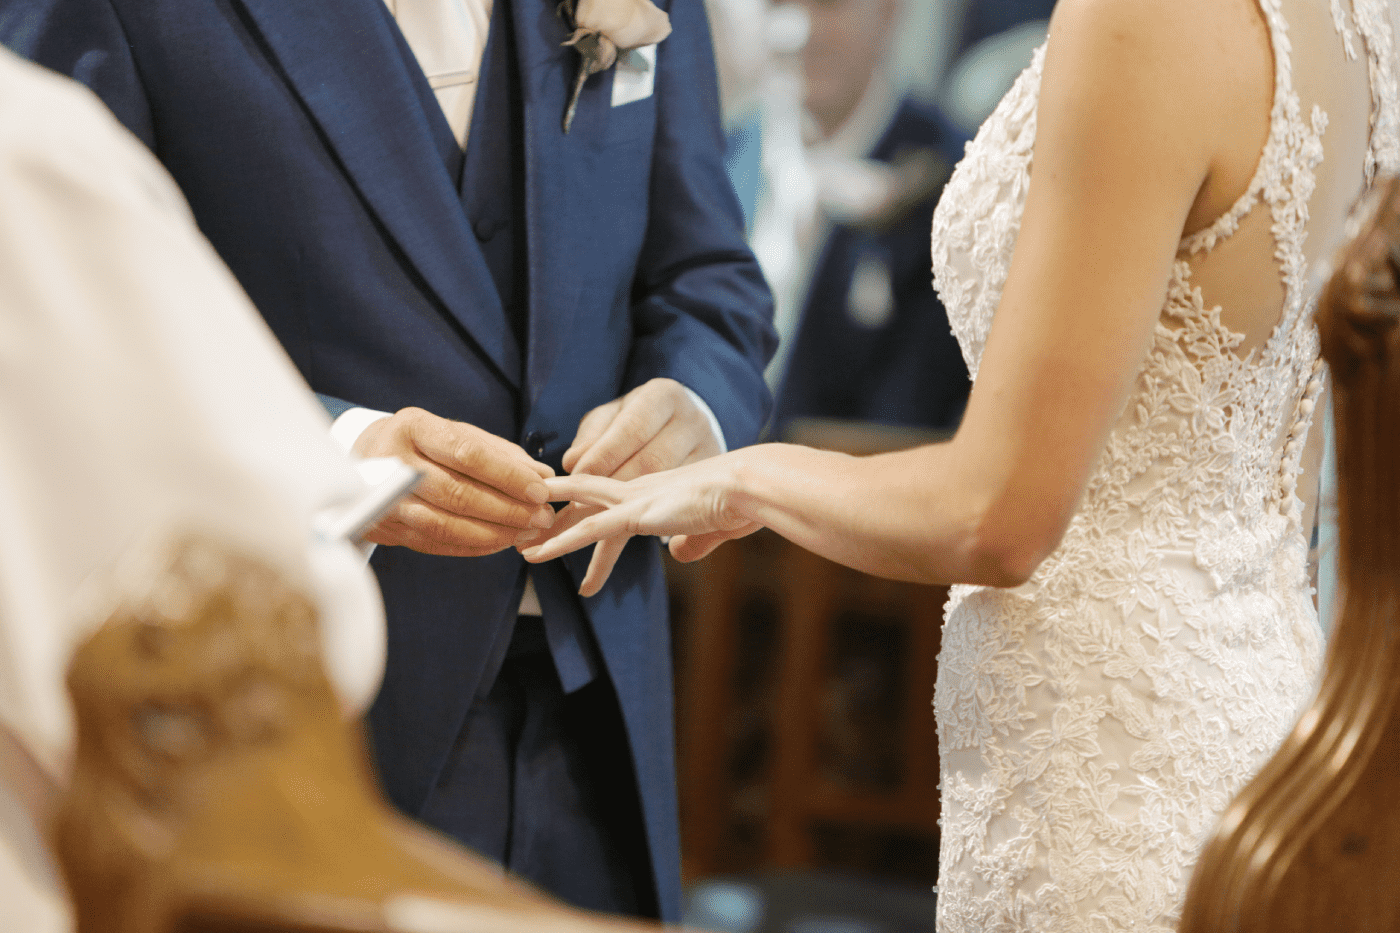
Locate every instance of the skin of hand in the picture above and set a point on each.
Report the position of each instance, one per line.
(479, 494)
(654, 427)
(695, 504)
(1144, 133)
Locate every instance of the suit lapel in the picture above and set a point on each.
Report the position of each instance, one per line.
(348, 68)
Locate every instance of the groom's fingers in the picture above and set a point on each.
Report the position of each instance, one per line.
(676, 444)
(685, 437)
(480, 493)
(419, 525)
(589, 430)
(644, 412)
(419, 437)
(481, 455)
(657, 426)
(461, 495)
(688, 548)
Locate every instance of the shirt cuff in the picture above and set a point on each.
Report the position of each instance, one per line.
(347, 428)
(694, 397)
(372, 470)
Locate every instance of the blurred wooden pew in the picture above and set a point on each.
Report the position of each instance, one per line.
(818, 776)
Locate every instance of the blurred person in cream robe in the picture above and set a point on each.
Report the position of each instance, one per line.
(126, 419)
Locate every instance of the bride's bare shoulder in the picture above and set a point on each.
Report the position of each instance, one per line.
(1202, 68)
(1174, 35)
(1196, 16)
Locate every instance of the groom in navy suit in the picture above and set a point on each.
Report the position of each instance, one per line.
(478, 298)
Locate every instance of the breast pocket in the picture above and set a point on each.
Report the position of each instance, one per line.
(634, 75)
(631, 122)
(618, 105)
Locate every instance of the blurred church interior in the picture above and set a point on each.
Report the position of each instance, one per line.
(808, 752)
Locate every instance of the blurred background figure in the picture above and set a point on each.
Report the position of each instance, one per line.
(745, 63)
(844, 119)
(841, 160)
(994, 45)
(866, 339)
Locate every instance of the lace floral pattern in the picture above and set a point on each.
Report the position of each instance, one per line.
(1094, 722)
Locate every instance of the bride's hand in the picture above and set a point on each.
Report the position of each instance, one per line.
(693, 504)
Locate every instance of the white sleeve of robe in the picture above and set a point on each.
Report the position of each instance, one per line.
(140, 396)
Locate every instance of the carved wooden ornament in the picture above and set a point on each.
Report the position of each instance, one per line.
(218, 789)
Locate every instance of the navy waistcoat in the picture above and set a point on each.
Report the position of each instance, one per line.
(491, 182)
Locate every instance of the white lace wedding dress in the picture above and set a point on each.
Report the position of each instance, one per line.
(1094, 722)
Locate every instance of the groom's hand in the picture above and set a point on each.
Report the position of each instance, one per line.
(657, 426)
(479, 493)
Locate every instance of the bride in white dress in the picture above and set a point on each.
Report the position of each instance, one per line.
(1132, 487)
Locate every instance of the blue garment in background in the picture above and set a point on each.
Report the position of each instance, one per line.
(854, 359)
(743, 162)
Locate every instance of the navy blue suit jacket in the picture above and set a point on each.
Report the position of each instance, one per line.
(317, 162)
(905, 370)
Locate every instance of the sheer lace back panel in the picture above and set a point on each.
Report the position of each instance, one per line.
(1094, 722)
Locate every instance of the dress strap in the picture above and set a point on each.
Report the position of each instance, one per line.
(1286, 126)
(1371, 19)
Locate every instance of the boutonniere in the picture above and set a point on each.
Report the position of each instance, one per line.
(601, 29)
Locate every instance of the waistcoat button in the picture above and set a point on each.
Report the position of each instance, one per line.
(486, 228)
(534, 444)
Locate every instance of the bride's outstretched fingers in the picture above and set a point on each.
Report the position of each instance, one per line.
(605, 557)
(688, 548)
(579, 526)
(567, 520)
(586, 489)
(689, 500)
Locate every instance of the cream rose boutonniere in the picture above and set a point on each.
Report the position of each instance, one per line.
(601, 29)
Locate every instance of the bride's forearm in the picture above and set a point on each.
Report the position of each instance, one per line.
(913, 515)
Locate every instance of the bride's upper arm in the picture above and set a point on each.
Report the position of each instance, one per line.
(1128, 123)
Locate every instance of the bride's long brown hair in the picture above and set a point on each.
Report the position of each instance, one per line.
(1359, 320)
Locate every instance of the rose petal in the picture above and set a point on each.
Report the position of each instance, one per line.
(630, 24)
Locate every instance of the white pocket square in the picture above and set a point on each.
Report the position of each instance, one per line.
(634, 75)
